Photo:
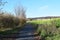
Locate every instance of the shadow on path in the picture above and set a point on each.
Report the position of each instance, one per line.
(28, 32)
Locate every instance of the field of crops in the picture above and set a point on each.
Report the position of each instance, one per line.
(48, 29)
(44, 21)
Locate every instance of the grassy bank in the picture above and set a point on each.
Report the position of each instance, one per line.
(48, 29)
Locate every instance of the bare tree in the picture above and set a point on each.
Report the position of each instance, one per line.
(20, 13)
(2, 4)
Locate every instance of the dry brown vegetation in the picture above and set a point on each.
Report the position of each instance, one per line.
(11, 21)
(8, 21)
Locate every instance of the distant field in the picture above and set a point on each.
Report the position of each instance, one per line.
(43, 21)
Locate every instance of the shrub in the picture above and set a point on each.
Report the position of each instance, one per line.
(20, 13)
(5, 20)
(8, 21)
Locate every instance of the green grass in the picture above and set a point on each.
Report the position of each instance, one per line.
(44, 21)
(50, 28)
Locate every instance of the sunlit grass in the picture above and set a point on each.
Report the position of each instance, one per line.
(43, 21)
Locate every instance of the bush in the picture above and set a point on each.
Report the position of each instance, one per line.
(8, 21)
(20, 13)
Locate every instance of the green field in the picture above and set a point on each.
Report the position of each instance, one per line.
(44, 21)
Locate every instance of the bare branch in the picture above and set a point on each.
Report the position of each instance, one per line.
(20, 13)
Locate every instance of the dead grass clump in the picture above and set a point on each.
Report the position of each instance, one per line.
(8, 21)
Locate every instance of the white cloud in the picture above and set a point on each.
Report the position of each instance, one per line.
(44, 7)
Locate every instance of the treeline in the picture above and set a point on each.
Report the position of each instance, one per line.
(47, 17)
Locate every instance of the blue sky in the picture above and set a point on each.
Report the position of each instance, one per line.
(35, 8)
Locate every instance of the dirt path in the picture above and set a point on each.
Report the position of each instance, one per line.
(27, 33)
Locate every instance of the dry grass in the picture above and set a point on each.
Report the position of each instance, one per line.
(8, 21)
